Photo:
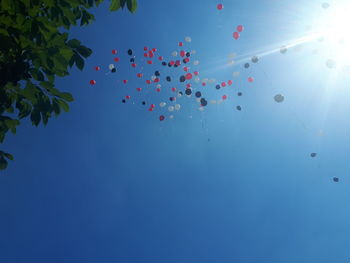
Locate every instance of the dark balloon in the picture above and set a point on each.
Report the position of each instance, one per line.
(239, 108)
(175, 65)
(168, 78)
(217, 86)
(123, 101)
(198, 94)
(132, 60)
(157, 73)
(129, 52)
(188, 54)
(335, 179)
(255, 59)
(114, 70)
(144, 103)
(164, 63)
(180, 92)
(313, 155)
(239, 93)
(203, 102)
(188, 91)
(184, 61)
(169, 64)
(246, 65)
(172, 99)
(182, 78)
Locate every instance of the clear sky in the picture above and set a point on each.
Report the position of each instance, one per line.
(109, 182)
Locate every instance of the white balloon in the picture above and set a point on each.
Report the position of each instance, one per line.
(198, 99)
(201, 108)
(171, 117)
(188, 39)
(174, 53)
(162, 104)
(193, 52)
(158, 85)
(171, 108)
(111, 66)
(179, 95)
(196, 62)
(177, 106)
(153, 77)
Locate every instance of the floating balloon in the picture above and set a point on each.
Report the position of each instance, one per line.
(181, 44)
(224, 97)
(246, 65)
(188, 76)
(255, 59)
(97, 68)
(283, 49)
(161, 118)
(129, 52)
(188, 92)
(171, 117)
(182, 78)
(235, 35)
(220, 6)
(313, 155)
(92, 82)
(198, 94)
(335, 179)
(203, 102)
(250, 79)
(239, 94)
(174, 53)
(188, 39)
(114, 70)
(116, 59)
(217, 86)
(114, 51)
(229, 82)
(177, 106)
(171, 108)
(279, 98)
(240, 28)
(239, 108)
(325, 5)
(111, 66)
(196, 62)
(162, 104)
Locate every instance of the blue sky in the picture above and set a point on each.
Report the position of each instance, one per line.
(109, 182)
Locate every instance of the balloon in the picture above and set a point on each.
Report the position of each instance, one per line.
(123, 100)
(145, 48)
(220, 6)
(193, 52)
(198, 94)
(335, 179)
(217, 86)
(177, 63)
(173, 89)
(330, 63)
(279, 98)
(204, 84)
(246, 65)
(188, 39)
(157, 73)
(188, 76)
(171, 117)
(164, 63)
(138, 89)
(145, 55)
(203, 102)
(174, 53)
(129, 52)
(239, 94)
(150, 109)
(171, 108)
(196, 73)
(92, 82)
(188, 85)
(229, 82)
(158, 89)
(255, 59)
(158, 85)
(239, 108)
(144, 103)
(149, 62)
(139, 75)
(133, 65)
(111, 66)
(188, 92)
(181, 44)
(283, 49)
(313, 155)
(148, 81)
(180, 94)
(116, 59)
(153, 78)
(114, 70)
(127, 97)
(153, 106)
(177, 106)
(160, 58)
(186, 60)
(162, 104)
(132, 60)
(196, 62)
(185, 68)
(97, 68)
(114, 51)
(240, 28)
(224, 97)
(168, 78)
(250, 79)
(236, 35)
(182, 53)
(172, 99)
(325, 5)
(125, 81)
(188, 54)
(196, 79)
(223, 84)
(182, 78)
(154, 49)
(161, 118)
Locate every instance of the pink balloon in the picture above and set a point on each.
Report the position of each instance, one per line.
(223, 84)
(236, 35)
(229, 82)
(181, 44)
(188, 76)
(240, 28)
(224, 97)
(250, 79)
(220, 6)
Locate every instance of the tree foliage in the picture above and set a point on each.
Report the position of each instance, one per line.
(35, 48)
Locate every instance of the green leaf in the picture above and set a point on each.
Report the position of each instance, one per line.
(3, 163)
(84, 51)
(67, 96)
(9, 156)
(63, 105)
(74, 43)
(79, 61)
(115, 5)
(35, 117)
(132, 5)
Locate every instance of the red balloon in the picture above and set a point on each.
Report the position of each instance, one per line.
(148, 81)
(138, 89)
(250, 79)
(196, 73)
(158, 89)
(150, 54)
(229, 82)
(145, 48)
(145, 55)
(220, 6)
(187, 59)
(149, 62)
(173, 89)
(133, 65)
(182, 53)
(240, 28)
(154, 49)
(114, 51)
(160, 58)
(161, 118)
(177, 63)
(152, 106)
(223, 84)
(116, 59)
(236, 35)
(188, 85)
(92, 82)
(188, 76)
(172, 63)
(139, 75)
(150, 109)
(127, 97)
(156, 80)
(181, 44)
(224, 97)
(125, 81)
(97, 68)
(186, 69)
